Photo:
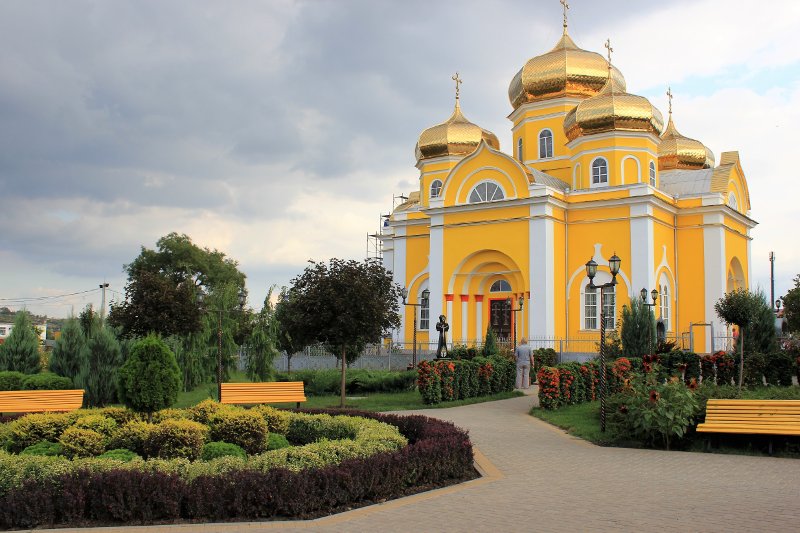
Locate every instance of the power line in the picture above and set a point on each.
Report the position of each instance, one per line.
(45, 298)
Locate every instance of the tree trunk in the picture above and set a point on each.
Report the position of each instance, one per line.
(741, 356)
(344, 370)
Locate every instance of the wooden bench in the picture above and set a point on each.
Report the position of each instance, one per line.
(40, 401)
(270, 392)
(758, 417)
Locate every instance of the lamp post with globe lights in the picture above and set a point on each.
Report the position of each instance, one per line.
(654, 296)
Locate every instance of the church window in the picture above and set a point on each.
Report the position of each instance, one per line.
(500, 285)
(519, 149)
(599, 172)
(424, 313)
(732, 201)
(590, 308)
(545, 144)
(436, 188)
(486, 191)
(652, 174)
(610, 307)
(665, 306)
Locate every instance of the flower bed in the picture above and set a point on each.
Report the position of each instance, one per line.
(348, 461)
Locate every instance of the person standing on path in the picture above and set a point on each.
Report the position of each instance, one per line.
(524, 356)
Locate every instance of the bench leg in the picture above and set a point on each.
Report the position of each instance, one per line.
(770, 446)
(296, 407)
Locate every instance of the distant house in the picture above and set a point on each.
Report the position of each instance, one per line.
(5, 331)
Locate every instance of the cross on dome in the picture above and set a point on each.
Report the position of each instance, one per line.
(458, 81)
(669, 96)
(608, 47)
(565, 7)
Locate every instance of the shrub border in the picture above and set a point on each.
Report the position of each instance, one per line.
(438, 454)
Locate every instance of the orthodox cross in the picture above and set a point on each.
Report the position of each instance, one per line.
(608, 47)
(458, 82)
(565, 6)
(669, 95)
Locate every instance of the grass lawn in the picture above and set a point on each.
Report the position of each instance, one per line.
(378, 401)
(582, 420)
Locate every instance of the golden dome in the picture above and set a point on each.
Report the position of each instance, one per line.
(679, 152)
(613, 109)
(566, 70)
(455, 136)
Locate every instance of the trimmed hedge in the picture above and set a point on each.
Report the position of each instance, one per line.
(457, 379)
(358, 381)
(46, 381)
(573, 383)
(11, 380)
(47, 492)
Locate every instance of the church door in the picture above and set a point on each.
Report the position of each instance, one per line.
(500, 319)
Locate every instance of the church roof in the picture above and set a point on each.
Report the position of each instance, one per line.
(546, 179)
(686, 182)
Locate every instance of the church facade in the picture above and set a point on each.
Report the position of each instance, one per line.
(593, 171)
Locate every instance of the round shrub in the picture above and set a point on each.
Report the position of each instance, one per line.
(277, 419)
(205, 410)
(10, 380)
(119, 454)
(119, 414)
(277, 441)
(99, 423)
(170, 414)
(212, 450)
(131, 436)
(150, 379)
(37, 427)
(176, 438)
(245, 428)
(46, 381)
(46, 448)
(79, 442)
(304, 429)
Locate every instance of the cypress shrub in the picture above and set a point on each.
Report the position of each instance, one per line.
(100, 365)
(66, 359)
(20, 352)
(638, 329)
(150, 379)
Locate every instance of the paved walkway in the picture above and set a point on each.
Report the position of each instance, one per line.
(544, 480)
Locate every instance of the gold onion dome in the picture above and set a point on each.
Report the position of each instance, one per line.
(679, 152)
(456, 136)
(566, 70)
(613, 109)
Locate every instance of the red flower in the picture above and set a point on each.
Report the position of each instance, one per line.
(654, 396)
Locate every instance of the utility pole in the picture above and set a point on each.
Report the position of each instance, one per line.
(772, 280)
(103, 286)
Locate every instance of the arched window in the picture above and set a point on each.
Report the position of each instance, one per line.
(732, 201)
(652, 174)
(664, 311)
(436, 188)
(424, 313)
(590, 308)
(500, 285)
(599, 172)
(610, 307)
(545, 144)
(519, 149)
(486, 191)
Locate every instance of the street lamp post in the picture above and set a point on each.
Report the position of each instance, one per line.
(425, 294)
(514, 330)
(591, 271)
(219, 311)
(654, 295)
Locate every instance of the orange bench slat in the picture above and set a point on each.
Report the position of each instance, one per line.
(269, 392)
(35, 401)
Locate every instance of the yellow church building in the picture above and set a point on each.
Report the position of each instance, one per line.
(593, 172)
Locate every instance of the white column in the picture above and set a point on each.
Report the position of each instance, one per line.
(479, 318)
(642, 250)
(715, 270)
(464, 319)
(541, 263)
(436, 273)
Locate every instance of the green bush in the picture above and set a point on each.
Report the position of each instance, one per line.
(101, 360)
(46, 381)
(170, 414)
(176, 438)
(304, 429)
(779, 368)
(150, 379)
(119, 454)
(10, 380)
(637, 329)
(277, 420)
(212, 450)
(99, 423)
(205, 410)
(37, 427)
(133, 436)
(755, 364)
(277, 441)
(245, 428)
(78, 442)
(357, 381)
(120, 415)
(46, 448)
(543, 357)
(20, 352)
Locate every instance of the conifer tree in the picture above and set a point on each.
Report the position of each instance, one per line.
(262, 345)
(150, 379)
(101, 361)
(20, 352)
(490, 345)
(66, 359)
(638, 329)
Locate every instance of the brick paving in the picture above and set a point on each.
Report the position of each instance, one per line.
(546, 480)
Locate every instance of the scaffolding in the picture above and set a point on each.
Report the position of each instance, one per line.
(374, 247)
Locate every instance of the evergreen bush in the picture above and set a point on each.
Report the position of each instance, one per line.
(277, 441)
(119, 454)
(213, 450)
(277, 420)
(78, 442)
(490, 344)
(66, 359)
(176, 438)
(150, 378)
(20, 351)
(37, 427)
(97, 422)
(101, 361)
(46, 381)
(45, 448)
(638, 329)
(244, 428)
(11, 380)
(132, 436)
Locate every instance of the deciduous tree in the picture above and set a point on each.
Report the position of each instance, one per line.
(791, 306)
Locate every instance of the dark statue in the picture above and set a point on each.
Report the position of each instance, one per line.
(442, 326)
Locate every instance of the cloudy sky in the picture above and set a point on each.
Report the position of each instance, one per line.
(278, 131)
